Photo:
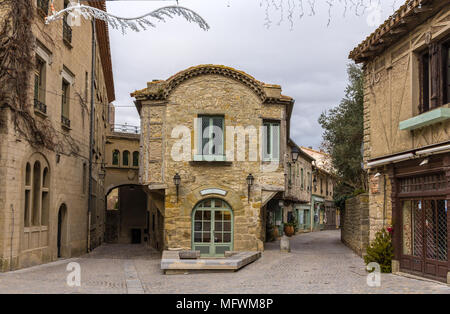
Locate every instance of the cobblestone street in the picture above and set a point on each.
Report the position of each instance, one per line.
(318, 263)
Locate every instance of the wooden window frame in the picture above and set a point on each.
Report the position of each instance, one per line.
(434, 85)
(268, 126)
(200, 156)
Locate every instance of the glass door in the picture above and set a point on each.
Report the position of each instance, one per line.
(212, 228)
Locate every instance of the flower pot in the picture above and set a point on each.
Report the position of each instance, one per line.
(275, 232)
(289, 230)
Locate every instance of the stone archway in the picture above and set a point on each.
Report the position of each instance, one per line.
(212, 227)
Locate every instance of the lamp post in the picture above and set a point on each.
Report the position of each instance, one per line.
(250, 180)
(177, 181)
(295, 152)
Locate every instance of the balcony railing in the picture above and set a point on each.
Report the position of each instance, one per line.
(65, 122)
(40, 106)
(42, 6)
(67, 32)
(125, 128)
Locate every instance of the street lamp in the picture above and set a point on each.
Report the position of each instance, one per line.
(295, 151)
(250, 180)
(177, 181)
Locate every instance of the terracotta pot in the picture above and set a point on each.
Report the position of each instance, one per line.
(289, 230)
(275, 232)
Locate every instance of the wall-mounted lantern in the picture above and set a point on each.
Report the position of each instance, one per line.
(177, 181)
(294, 153)
(250, 180)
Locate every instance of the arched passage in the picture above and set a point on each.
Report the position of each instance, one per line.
(127, 218)
(212, 227)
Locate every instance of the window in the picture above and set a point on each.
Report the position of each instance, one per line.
(115, 157)
(65, 104)
(37, 185)
(434, 69)
(290, 174)
(302, 179)
(42, 7)
(210, 138)
(326, 185)
(39, 86)
(309, 181)
(67, 30)
(271, 138)
(126, 157)
(135, 159)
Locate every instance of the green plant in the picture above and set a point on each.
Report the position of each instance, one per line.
(381, 251)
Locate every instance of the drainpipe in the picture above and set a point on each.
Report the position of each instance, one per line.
(91, 138)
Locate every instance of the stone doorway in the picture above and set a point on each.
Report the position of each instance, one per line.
(62, 232)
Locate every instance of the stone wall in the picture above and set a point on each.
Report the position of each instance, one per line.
(241, 106)
(355, 223)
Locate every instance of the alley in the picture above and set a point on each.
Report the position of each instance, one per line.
(318, 263)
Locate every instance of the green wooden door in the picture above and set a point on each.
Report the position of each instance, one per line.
(212, 228)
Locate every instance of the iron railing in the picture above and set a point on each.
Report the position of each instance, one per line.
(67, 32)
(125, 128)
(65, 121)
(43, 6)
(40, 106)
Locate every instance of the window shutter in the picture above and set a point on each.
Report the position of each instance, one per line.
(435, 53)
(218, 136)
(205, 149)
(276, 141)
(265, 139)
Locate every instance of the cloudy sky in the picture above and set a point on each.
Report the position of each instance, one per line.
(308, 59)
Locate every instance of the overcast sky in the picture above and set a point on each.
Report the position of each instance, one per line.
(308, 60)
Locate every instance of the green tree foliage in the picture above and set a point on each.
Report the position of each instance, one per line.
(381, 251)
(343, 131)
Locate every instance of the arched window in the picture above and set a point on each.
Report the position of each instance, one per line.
(37, 202)
(115, 157)
(36, 194)
(135, 159)
(126, 158)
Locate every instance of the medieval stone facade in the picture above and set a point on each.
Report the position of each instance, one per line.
(195, 126)
(44, 193)
(407, 133)
(323, 177)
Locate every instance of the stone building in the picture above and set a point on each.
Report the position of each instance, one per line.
(407, 134)
(214, 150)
(130, 216)
(324, 212)
(298, 188)
(44, 191)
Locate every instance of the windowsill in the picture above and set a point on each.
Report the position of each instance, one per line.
(425, 119)
(67, 43)
(210, 158)
(40, 113)
(65, 127)
(267, 160)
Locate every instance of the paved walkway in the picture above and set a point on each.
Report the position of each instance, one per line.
(318, 263)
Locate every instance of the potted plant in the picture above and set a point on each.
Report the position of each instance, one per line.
(289, 228)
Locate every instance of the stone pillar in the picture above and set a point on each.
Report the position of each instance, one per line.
(395, 266)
